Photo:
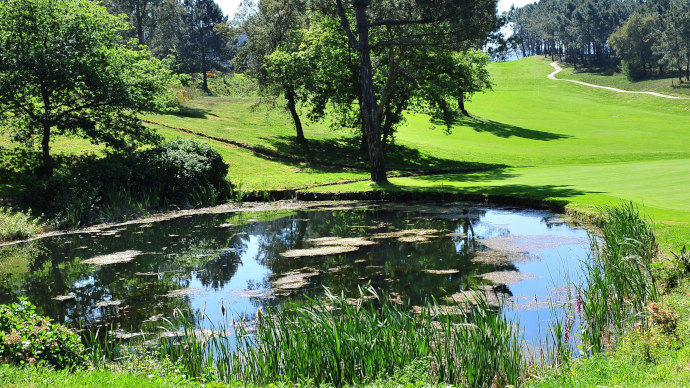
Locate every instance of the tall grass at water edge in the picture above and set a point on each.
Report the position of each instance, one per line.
(340, 342)
(619, 280)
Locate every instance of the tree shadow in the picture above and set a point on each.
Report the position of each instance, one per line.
(193, 113)
(345, 153)
(512, 193)
(507, 130)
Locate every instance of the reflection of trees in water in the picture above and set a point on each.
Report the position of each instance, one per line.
(390, 265)
(140, 285)
(176, 252)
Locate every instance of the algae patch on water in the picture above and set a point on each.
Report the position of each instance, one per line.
(113, 258)
(293, 280)
(506, 277)
(441, 271)
(530, 243)
(341, 241)
(319, 251)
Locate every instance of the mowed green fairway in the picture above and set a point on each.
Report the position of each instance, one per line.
(564, 141)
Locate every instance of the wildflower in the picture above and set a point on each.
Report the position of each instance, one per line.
(578, 303)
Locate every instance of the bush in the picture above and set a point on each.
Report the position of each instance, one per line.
(26, 338)
(16, 225)
(180, 173)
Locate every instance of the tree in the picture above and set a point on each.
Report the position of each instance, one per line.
(140, 14)
(63, 72)
(201, 45)
(274, 33)
(673, 38)
(382, 29)
(633, 44)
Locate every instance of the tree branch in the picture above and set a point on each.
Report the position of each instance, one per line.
(346, 25)
(401, 22)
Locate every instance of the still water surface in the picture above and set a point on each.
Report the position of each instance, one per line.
(125, 276)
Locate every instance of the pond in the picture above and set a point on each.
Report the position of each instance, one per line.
(125, 276)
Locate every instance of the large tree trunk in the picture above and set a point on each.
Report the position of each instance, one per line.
(47, 168)
(363, 143)
(139, 14)
(461, 104)
(369, 111)
(204, 66)
(292, 107)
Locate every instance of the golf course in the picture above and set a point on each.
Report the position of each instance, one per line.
(529, 137)
(530, 141)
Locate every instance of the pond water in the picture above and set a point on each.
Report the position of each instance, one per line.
(128, 275)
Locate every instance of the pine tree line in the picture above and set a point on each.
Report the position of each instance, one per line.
(644, 37)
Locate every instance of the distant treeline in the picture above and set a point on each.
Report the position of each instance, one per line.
(645, 37)
(192, 36)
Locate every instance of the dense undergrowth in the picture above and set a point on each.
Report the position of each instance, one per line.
(91, 189)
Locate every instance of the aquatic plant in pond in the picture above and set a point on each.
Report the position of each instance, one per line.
(340, 342)
(619, 281)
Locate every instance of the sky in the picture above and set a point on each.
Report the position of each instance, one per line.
(229, 6)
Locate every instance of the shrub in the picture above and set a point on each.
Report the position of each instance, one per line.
(26, 338)
(181, 173)
(16, 225)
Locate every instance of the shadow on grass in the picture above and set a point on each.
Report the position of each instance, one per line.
(193, 113)
(506, 194)
(345, 152)
(507, 130)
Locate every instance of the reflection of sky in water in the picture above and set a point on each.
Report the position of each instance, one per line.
(249, 272)
(221, 262)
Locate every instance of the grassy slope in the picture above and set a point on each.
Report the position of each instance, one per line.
(620, 81)
(563, 141)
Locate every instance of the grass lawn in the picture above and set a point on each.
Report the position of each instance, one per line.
(562, 141)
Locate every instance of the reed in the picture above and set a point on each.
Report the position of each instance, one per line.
(339, 342)
(619, 282)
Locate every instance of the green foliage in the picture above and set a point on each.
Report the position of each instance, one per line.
(180, 173)
(16, 225)
(181, 170)
(63, 71)
(233, 85)
(633, 44)
(26, 338)
(619, 282)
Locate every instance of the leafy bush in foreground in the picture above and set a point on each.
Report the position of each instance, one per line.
(26, 338)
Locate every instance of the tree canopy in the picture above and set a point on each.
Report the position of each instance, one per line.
(366, 61)
(63, 70)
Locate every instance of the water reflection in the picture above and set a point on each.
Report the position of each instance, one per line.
(414, 252)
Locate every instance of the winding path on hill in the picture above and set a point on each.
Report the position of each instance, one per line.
(558, 69)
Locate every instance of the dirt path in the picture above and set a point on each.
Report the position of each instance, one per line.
(558, 69)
